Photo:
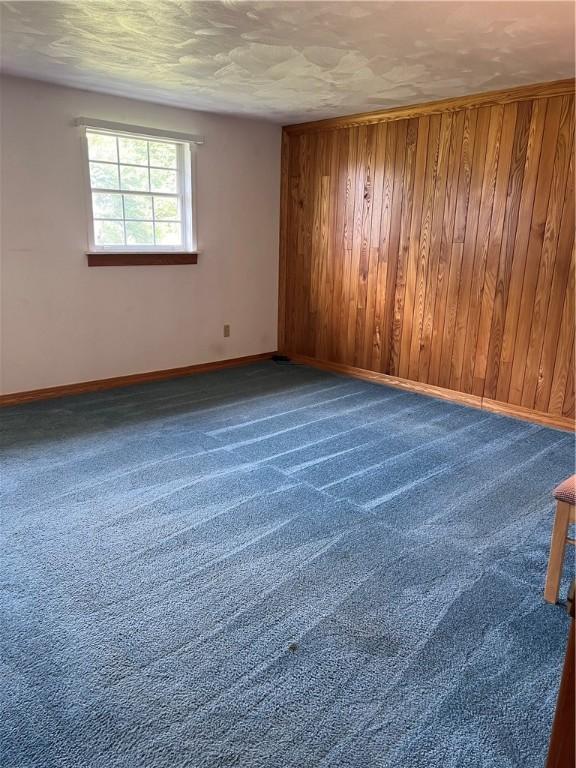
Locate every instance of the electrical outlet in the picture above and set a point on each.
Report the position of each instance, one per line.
(226, 331)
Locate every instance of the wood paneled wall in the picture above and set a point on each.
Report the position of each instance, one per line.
(436, 244)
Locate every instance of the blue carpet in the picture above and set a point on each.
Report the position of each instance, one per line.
(274, 567)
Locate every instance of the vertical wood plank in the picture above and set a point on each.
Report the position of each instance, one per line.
(433, 283)
(515, 180)
(423, 263)
(365, 251)
(535, 243)
(481, 248)
(549, 250)
(565, 348)
(284, 229)
(444, 261)
(353, 139)
(335, 234)
(377, 262)
(557, 293)
(403, 250)
(568, 405)
(399, 134)
(466, 275)
(413, 245)
(359, 185)
(528, 192)
(302, 265)
(487, 298)
(437, 248)
(457, 248)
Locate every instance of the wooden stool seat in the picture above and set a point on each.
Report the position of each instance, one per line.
(565, 495)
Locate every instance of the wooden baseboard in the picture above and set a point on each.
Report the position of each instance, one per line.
(520, 412)
(515, 411)
(16, 398)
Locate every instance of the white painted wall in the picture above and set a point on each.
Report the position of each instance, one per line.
(63, 322)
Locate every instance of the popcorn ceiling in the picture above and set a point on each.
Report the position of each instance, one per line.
(288, 61)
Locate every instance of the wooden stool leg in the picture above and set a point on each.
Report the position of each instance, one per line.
(557, 547)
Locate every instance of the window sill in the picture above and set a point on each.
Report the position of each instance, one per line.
(140, 259)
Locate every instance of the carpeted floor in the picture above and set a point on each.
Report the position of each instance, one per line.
(274, 567)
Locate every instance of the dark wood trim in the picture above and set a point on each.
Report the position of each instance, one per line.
(506, 96)
(562, 748)
(141, 259)
(476, 401)
(17, 398)
(528, 414)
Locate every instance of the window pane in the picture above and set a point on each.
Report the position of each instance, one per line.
(161, 154)
(163, 181)
(138, 207)
(102, 146)
(133, 151)
(106, 206)
(137, 187)
(134, 178)
(166, 208)
(104, 176)
(139, 233)
(109, 233)
(168, 233)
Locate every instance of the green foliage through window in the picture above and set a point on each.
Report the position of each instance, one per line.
(137, 191)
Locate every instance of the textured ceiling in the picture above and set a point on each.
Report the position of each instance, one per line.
(288, 61)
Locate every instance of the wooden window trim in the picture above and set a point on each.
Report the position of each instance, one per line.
(141, 259)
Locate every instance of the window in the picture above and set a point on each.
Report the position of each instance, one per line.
(140, 192)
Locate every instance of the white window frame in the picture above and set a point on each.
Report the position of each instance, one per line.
(186, 172)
